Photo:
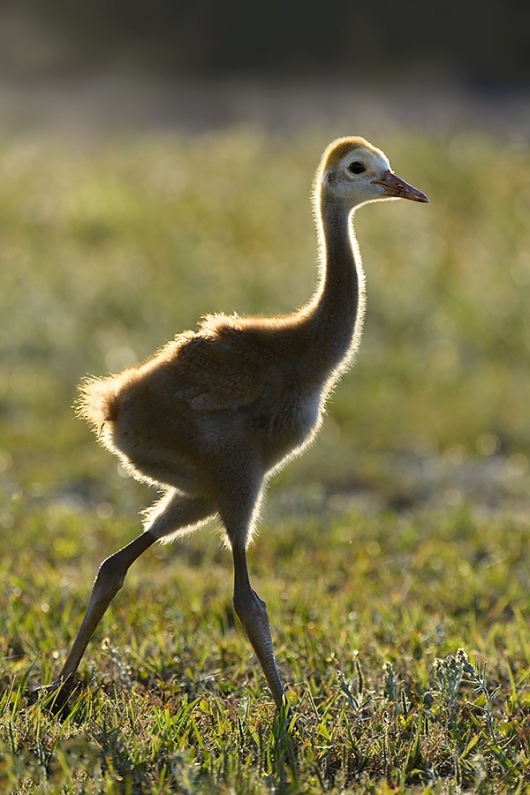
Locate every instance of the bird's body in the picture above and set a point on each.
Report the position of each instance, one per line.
(214, 413)
(234, 388)
(227, 384)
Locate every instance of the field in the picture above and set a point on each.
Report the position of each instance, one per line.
(394, 557)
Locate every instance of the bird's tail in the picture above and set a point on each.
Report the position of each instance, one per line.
(98, 401)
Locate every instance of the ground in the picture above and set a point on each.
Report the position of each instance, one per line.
(393, 557)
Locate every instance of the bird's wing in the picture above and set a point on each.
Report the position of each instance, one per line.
(220, 374)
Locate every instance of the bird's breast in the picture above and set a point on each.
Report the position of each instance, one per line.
(309, 412)
(288, 425)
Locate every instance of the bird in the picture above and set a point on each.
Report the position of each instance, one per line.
(211, 416)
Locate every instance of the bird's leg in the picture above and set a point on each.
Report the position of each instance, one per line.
(252, 612)
(173, 511)
(108, 582)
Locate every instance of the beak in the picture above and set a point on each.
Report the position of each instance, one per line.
(394, 186)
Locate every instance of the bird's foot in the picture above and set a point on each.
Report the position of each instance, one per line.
(288, 721)
(56, 695)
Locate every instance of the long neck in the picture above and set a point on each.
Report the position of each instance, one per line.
(333, 318)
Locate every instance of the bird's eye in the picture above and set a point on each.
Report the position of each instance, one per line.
(356, 167)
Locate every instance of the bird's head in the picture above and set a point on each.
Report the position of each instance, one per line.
(355, 172)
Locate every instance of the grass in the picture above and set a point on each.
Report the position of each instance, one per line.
(106, 253)
(369, 612)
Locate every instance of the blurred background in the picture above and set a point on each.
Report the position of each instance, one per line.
(156, 162)
(202, 64)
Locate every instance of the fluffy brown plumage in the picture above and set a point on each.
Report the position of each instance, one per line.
(214, 413)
